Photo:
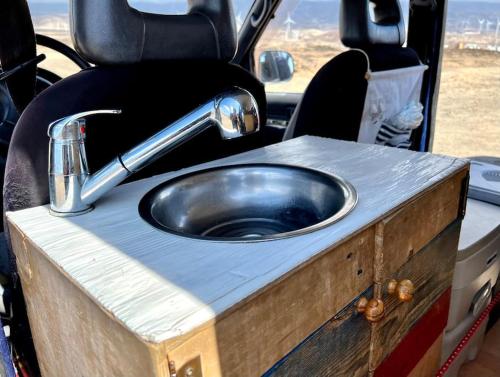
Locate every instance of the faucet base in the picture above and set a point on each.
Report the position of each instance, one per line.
(69, 214)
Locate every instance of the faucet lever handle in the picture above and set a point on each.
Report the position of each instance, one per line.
(59, 128)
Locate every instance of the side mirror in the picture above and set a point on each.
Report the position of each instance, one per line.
(275, 66)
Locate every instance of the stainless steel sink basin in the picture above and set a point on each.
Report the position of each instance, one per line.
(251, 202)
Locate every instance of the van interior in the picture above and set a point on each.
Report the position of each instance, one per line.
(243, 188)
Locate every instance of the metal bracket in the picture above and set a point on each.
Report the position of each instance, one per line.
(190, 369)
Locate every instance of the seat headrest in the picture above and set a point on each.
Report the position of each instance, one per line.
(361, 26)
(112, 32)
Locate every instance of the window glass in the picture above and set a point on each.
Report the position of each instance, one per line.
(50, 17)
(309, 31)
(160, 6)
(240, 7)
(468, 112)
(306, 29)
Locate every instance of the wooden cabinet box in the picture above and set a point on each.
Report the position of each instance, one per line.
(341, 347)
(408, 244)
(349, 345)
(301, 316)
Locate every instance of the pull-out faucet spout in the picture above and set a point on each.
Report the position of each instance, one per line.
(73, 190)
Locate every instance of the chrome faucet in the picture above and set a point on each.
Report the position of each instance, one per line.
(73, 190)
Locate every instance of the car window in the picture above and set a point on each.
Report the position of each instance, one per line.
(468, 111)
(240, 7)
(50, 17)
(309, 31)
(160, 6)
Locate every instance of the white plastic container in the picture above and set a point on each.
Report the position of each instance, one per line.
(485, 182)
(476, 273)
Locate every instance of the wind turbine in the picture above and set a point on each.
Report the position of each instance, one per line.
(496, 34)
(481, 24)
(288, 22)
(488, 24)
(466, 26)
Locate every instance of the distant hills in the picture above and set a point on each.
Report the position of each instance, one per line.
(463, 16)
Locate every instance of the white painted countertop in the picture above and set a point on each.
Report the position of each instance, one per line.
(161, 286)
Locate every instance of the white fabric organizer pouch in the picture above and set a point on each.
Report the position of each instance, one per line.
(392, 107)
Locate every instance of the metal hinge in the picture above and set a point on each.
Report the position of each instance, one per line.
(171, 369)
(191, 369)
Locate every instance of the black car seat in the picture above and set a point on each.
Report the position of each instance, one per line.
(17, 47)
(155, 68)
(333, 103)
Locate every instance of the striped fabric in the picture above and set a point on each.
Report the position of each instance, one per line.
(392, 109)
(393, 137)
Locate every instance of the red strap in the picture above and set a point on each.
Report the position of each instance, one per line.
(420, 338)
(468, 336)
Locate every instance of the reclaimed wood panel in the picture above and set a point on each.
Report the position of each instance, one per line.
(431, 271)
(339, 348)
(71, 337)
(224, 309)
(414, 346)
(403, 234)
(429, 363)
(256, 335)
(162, 286)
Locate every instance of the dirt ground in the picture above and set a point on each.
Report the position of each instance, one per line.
(468, 118)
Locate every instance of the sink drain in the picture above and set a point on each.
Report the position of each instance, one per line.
(248, 228)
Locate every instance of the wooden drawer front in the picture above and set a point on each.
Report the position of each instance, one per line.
(431, 272)
(406, 232)
(339, 348)
(419, 352)
(272, 324)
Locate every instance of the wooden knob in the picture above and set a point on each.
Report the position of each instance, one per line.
(373, 309)
(403, 289)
